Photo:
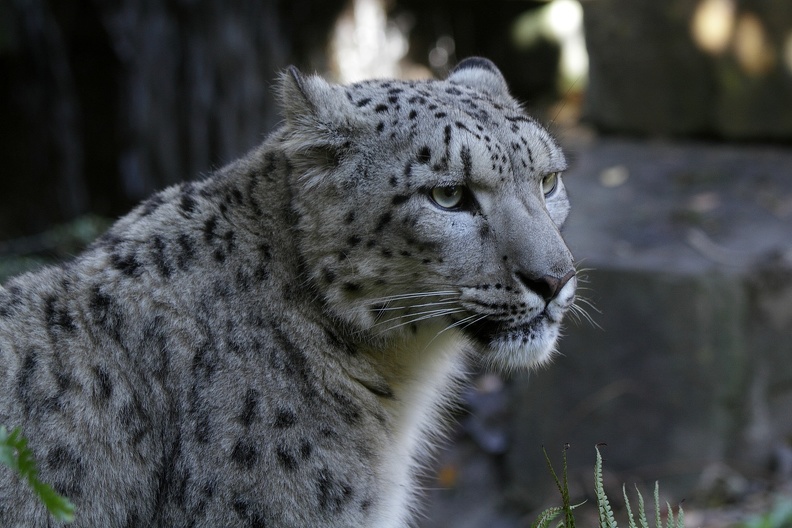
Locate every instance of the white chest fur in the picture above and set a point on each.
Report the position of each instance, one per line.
(425, 371)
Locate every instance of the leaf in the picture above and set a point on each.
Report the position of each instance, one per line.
(630, 518)
(563, 488)
(644, 522)
(570, 517)
(7, 451)
(553, 473)
(606, 519)
(658, 521)
(547, 516)
(670, 519)
(15, 454)
(59, 507)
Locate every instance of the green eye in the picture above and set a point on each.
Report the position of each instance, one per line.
(549, 183)
(448, 197)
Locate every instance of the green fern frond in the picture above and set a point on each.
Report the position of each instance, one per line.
(563, 488)
(606, 516)
(642, 520)
(658, 520)
(15, 454)
(630, 518)
(547, 516)
(670, 520)
(568, 507)
(606, 519)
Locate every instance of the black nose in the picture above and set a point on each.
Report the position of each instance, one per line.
(547, 286)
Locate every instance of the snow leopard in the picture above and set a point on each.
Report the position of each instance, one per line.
(278, 344)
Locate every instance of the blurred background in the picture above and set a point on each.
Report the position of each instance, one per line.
(677, 118)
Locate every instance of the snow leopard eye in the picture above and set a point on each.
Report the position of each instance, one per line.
(549, 183)
(449, 196)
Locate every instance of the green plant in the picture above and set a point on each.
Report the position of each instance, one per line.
(15, 454)
(550, 514)
(780, 516)
(606, 517)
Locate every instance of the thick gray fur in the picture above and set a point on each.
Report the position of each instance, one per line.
(275, 345)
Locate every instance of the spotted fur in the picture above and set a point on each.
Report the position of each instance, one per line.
(275, 345)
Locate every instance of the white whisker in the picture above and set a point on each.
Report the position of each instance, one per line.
(416, 317)
(475, 321)
(464, 320)
(579, 313)
(411, 306)
(588, 303)
(407, 296)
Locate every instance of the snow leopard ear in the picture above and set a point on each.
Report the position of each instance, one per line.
(320, 124)
(480, 74)
(298, 96)
(313, 106)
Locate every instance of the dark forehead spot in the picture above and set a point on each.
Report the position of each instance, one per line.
(424, 155)
(546, 145)
(467, 162)
(519, 119)
(461, 126)
(400, 199)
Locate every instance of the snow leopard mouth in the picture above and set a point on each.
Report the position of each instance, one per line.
(488, 331)
(508, 346)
